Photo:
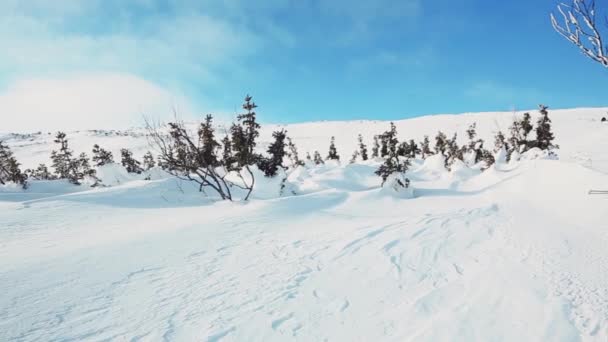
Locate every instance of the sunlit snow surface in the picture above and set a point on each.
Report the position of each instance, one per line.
(516, 253)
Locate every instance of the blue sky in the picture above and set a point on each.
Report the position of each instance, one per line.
(301, 60)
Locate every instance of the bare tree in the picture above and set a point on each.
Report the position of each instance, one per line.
(579, 26)
(194, 157)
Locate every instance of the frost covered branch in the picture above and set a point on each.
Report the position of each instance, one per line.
(577, 23)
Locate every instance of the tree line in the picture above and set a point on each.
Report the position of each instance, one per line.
(224, 164)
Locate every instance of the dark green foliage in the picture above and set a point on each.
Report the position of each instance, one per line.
(333, 152)
(131, 164)
(389, 142)
(244, 135)
(376, 147)
(9, 167)
(392, 163)
(40, 173)
(148, 161)
(353, 158)
(362, 149)
(544, 135)
(292, 153)
(228, 159)
(208, 145)
(453, 152)
(414, 150)
(62, 159)
(67, 167)
(317, 158)
(276, 152)
(101, 157)
(441, 142)
(425, 147)
(500, 141)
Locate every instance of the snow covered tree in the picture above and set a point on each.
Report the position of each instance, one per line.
(276, 152)
(317, 158)
(195, 158)
(362, 148)
(526, 127)
(425, 147)
(441, 141)
(414, 150)
(40, 173)
(500, 142)
(101, 157)
(453, 152)
(392, 164)
(333, 152)
(403, 149)
(131, 164)
(83, 169)
(389, 142)
(579, 26)
(376, 147)
(475, 145)
(292, 154)
(148, 161)
(519, 132)
(308, 157)
(62, 159)
(544, 135)
(9, 167)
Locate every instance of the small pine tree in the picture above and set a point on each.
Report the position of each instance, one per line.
(500, 142)
(333, 152)
(353, 158)
(101, 157)
(317, 158)
(453, 152)
(392, 164)
(83, 169)
(276, 150)
(526, 125)
(9, 167)
(376, 147)
(362, 149)
(389, 142)
(544, 135)
(403, 149)
(292, 153)
(425, 147)
(148, 161)
(244, 135)
(227, 157)
(209, 146)
(40, 173)
(414, 149)
(441, 141)
(308, 157)
(131, 164)
(62, 159)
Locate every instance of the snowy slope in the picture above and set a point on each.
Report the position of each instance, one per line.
(516, 253)
(579, 132)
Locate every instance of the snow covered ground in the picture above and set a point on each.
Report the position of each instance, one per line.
(516, 253)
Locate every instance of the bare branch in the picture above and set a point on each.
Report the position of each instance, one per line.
(578, 25)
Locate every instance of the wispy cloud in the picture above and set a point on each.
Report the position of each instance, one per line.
(86, 101)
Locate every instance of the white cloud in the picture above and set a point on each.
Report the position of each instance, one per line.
(86, 101)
